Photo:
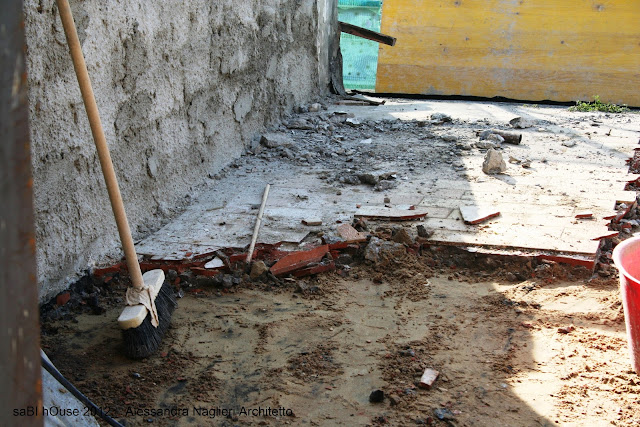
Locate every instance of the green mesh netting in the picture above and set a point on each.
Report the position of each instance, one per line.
(359, 56)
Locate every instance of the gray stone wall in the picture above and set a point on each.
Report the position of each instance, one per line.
(183, 88)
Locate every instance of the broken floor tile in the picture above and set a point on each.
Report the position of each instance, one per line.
(214, 263)
(475, 214)
(378, 212)
(312, 221)
(350, 234)
(299, 259)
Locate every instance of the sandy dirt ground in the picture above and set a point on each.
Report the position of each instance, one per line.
(544, 346)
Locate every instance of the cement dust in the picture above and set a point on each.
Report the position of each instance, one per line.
(313, 358)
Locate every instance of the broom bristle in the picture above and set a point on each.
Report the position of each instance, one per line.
(145, 340)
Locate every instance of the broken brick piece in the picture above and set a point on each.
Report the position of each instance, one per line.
(428, 378)
(315, 269)
(350, 234)
(475, 214)
(298, 260)
(63, 298)
(584, 215)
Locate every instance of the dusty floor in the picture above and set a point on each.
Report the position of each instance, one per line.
(319, 346)
(517, 340)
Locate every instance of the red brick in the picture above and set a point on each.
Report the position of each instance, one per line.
(588, 263)
(63, 298)
(99, 272)
(316, 269)
(298, 260)
(428, 378)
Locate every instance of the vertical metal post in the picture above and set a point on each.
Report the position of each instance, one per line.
(20, 381)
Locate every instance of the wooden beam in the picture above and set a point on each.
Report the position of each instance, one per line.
(20, 380)
(366, 34)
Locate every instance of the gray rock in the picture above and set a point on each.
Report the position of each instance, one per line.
(402, 236)
(314, 108)
(272, 140)
(440, 118)
(258, 269)
(493, 163)
(423, 231)
(521, 123)
(385, 185)
(378, 250)
(368, 178)
(299, 124)
(449, 138)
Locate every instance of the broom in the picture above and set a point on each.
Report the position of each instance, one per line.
(150, 299)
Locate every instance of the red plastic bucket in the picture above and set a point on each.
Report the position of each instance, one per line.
(626, 257)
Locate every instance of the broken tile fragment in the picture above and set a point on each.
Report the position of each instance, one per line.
(584, 215)
(428, 378)
(392, 214)
(312, 221)
(350, 234)
(475, 214)
(299, 259)
(214, 263)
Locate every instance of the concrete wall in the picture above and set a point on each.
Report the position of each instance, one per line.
(183, 88)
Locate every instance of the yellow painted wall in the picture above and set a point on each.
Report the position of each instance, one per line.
(560, 50)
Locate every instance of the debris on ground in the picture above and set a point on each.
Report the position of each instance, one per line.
(493, 163)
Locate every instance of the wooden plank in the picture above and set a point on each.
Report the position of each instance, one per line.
(20, 372)
(532, 50)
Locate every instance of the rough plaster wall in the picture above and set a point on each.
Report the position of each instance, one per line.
(183, 87)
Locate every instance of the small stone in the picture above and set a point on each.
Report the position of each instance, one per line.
(526, 164)
(566, 329)
(385, 185)
(394, 399)
(353, 122)
(493, 163)
(258, 268)
(423, 231)
(444, 414)
(301, 124)
(314, 108)
(438, 118)
(486, 145)
(521, 123)
(387, 200)
(368, 178)
(449, 138)
(570, 143)
(366, 141)
(402, 236)
(273, 140)
(376, 396)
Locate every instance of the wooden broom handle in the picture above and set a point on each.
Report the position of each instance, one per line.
(101, 143)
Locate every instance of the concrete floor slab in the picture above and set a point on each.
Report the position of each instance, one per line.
(577, 163)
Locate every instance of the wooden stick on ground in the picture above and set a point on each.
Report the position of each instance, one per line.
(256, 229)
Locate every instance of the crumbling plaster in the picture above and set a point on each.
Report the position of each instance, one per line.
(183, 88)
